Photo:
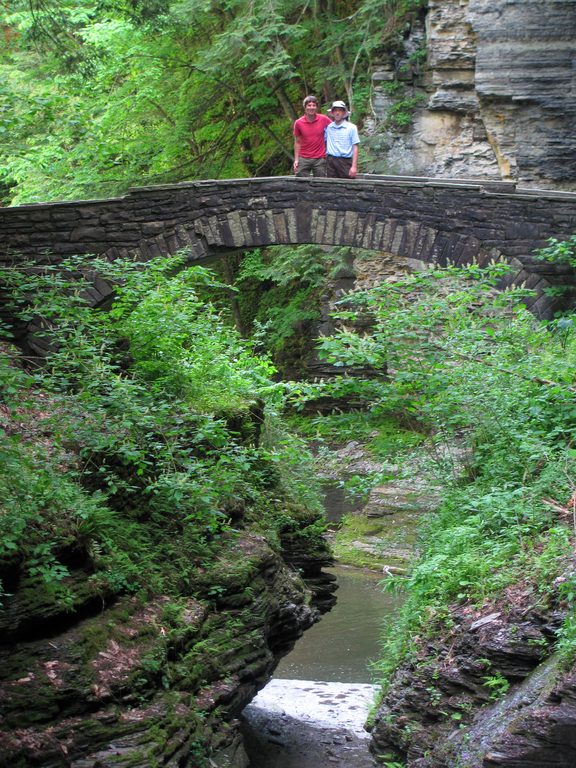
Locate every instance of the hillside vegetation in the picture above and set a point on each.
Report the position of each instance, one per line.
(153, 435)
(492, 389)
(99, 95)
(149, 436)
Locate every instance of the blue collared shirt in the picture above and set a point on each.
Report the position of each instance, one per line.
(340, 139)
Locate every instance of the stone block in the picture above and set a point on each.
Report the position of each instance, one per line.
(366, 223)
(291, 225)
(152, 228)
(453, 100)
(235, 231)
(280, 227)
(44, 214)
(438, 250)
(214, 227)
(85, 234)
(173, 243)
(423, 243)
(468, 252)
(349, 227)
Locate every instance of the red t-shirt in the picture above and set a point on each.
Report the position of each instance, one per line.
(312, 142)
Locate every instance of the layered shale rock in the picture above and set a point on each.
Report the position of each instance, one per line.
(485, 692)
(126, 681)
(494, 98)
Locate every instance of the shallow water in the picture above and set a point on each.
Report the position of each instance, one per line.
(312, 714)
(340, 647)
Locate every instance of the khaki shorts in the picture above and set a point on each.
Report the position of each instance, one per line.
(312, 166)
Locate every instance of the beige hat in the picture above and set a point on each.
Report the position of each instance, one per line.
(339, 105)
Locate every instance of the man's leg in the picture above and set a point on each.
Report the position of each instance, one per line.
(338, 167)
(319, 168)
(305, 166)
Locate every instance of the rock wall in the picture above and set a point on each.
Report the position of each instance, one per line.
(484, 693)
(126, 682)
(494, 85)
(96, 674)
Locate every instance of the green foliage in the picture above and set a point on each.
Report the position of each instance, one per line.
(559, 251)
(401, 113)
(293, 463)
(418, 56)
(567, 639)
(337, 428)
(43, 513)
(304, 394)
(283, 266)
(279, 291)
(155, 412)
(283, 322)
(404, 101)
(181, 346)
(497, 684)
(392, 439)
(278, 295)
(492, 389)
(95, 97)
(13, 381)
(387, 762)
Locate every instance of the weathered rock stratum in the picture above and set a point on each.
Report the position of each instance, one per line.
(128, 682)
(485, 693)
(491, 84)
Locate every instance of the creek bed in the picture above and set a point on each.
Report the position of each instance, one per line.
(340, 647)
(312, 713)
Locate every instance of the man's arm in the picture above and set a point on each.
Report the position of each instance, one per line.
(354, 167)
(297, 143)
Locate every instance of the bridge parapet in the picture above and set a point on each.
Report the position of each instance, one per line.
(437, 221)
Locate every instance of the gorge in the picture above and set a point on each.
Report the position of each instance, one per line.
(162, 542)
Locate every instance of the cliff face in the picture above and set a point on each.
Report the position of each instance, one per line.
(491, 84)
(133, 682)
(98, 670)
(486, 692)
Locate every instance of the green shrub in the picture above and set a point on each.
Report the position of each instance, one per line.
(155, 413)
(491, 390)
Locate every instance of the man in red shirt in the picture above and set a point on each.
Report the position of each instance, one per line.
(309, 141)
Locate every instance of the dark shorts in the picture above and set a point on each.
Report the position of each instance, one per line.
(312, 166)
(338, 167)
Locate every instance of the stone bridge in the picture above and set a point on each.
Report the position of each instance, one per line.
(435, 221)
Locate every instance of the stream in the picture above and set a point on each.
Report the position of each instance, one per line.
(340, 647)
(312, 713)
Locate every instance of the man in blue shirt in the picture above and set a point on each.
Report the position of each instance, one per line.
(342, 142)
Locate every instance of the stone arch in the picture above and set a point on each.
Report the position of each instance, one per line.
(429, 220)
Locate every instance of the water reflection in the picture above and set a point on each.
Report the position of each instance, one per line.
(341, 645)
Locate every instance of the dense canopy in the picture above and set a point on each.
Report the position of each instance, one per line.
(98, 95)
